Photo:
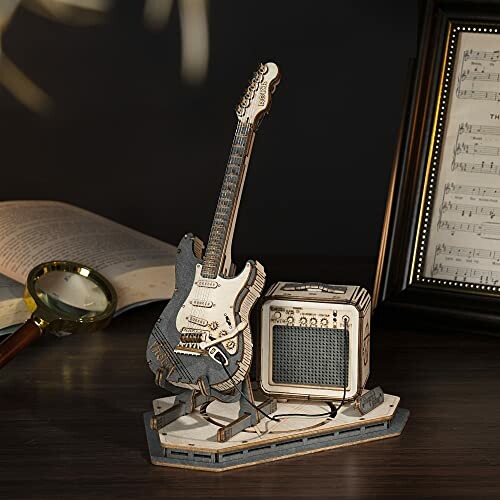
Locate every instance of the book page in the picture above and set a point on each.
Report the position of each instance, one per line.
(13, 310)
(464, 237)
(32, 232)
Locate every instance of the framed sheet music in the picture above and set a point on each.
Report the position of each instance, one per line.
(440, 250)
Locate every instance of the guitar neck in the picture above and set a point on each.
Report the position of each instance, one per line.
(217, 258)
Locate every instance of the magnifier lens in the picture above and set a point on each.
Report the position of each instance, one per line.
(63, 297)
(71, 294)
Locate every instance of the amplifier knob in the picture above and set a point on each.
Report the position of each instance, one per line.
(324, 322)
(303, 321)
(313, 321)
(277, 315)
(290, 319)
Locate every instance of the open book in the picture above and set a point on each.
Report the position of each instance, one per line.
(141, 268)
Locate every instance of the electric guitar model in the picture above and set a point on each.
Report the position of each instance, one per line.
(202, 340)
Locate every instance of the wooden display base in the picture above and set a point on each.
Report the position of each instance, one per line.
(191, 440)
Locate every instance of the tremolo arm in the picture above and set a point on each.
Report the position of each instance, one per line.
(199, 343)
(239, 328)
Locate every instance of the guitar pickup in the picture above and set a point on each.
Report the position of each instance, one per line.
(197, 321)
(207, 284)
(202, 303)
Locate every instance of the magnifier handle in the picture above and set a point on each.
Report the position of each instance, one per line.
(20, 339)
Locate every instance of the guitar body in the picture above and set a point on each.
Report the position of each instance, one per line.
(172, 347)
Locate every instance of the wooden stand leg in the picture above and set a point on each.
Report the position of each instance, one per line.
(166, 417)
(248, 414)
(245, 421)
(184, 404)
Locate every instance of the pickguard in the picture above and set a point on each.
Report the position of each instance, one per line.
(209, 312)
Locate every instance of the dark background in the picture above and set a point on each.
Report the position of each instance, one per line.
(128, 139)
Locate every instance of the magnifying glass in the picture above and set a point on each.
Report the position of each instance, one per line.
(62, 297)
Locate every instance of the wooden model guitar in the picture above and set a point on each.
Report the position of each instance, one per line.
(202, 340)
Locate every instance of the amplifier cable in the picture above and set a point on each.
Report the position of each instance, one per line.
(333, 409)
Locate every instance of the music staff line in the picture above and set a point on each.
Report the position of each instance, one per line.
(483, 167)
(481, 95)
(481, 55)
(463, 189)
(467, 128)
(485, 230)
(475, 149)
(469, 210)
(466, 274)
(480, 76)
(467, 252)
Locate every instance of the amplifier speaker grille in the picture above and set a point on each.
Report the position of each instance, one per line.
(309, 356)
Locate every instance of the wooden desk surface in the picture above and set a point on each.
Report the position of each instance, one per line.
(71, 425)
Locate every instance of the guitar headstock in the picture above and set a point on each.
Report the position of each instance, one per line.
(256, 101)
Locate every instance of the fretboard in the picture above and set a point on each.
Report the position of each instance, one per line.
(221, 232)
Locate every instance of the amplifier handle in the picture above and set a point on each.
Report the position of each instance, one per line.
(314, 285)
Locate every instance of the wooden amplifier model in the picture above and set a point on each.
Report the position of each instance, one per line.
(315, 341)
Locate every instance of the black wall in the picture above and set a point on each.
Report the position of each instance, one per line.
(129, 140)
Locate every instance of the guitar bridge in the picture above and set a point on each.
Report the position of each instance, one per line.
(190, 342)
(187, 349)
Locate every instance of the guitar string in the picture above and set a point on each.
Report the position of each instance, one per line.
(172, 358)
(176, 357)
(206, 294)
(164, 344)
(175, 361)
(241, 127)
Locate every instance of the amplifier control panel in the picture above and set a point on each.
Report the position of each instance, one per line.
(309, 317)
